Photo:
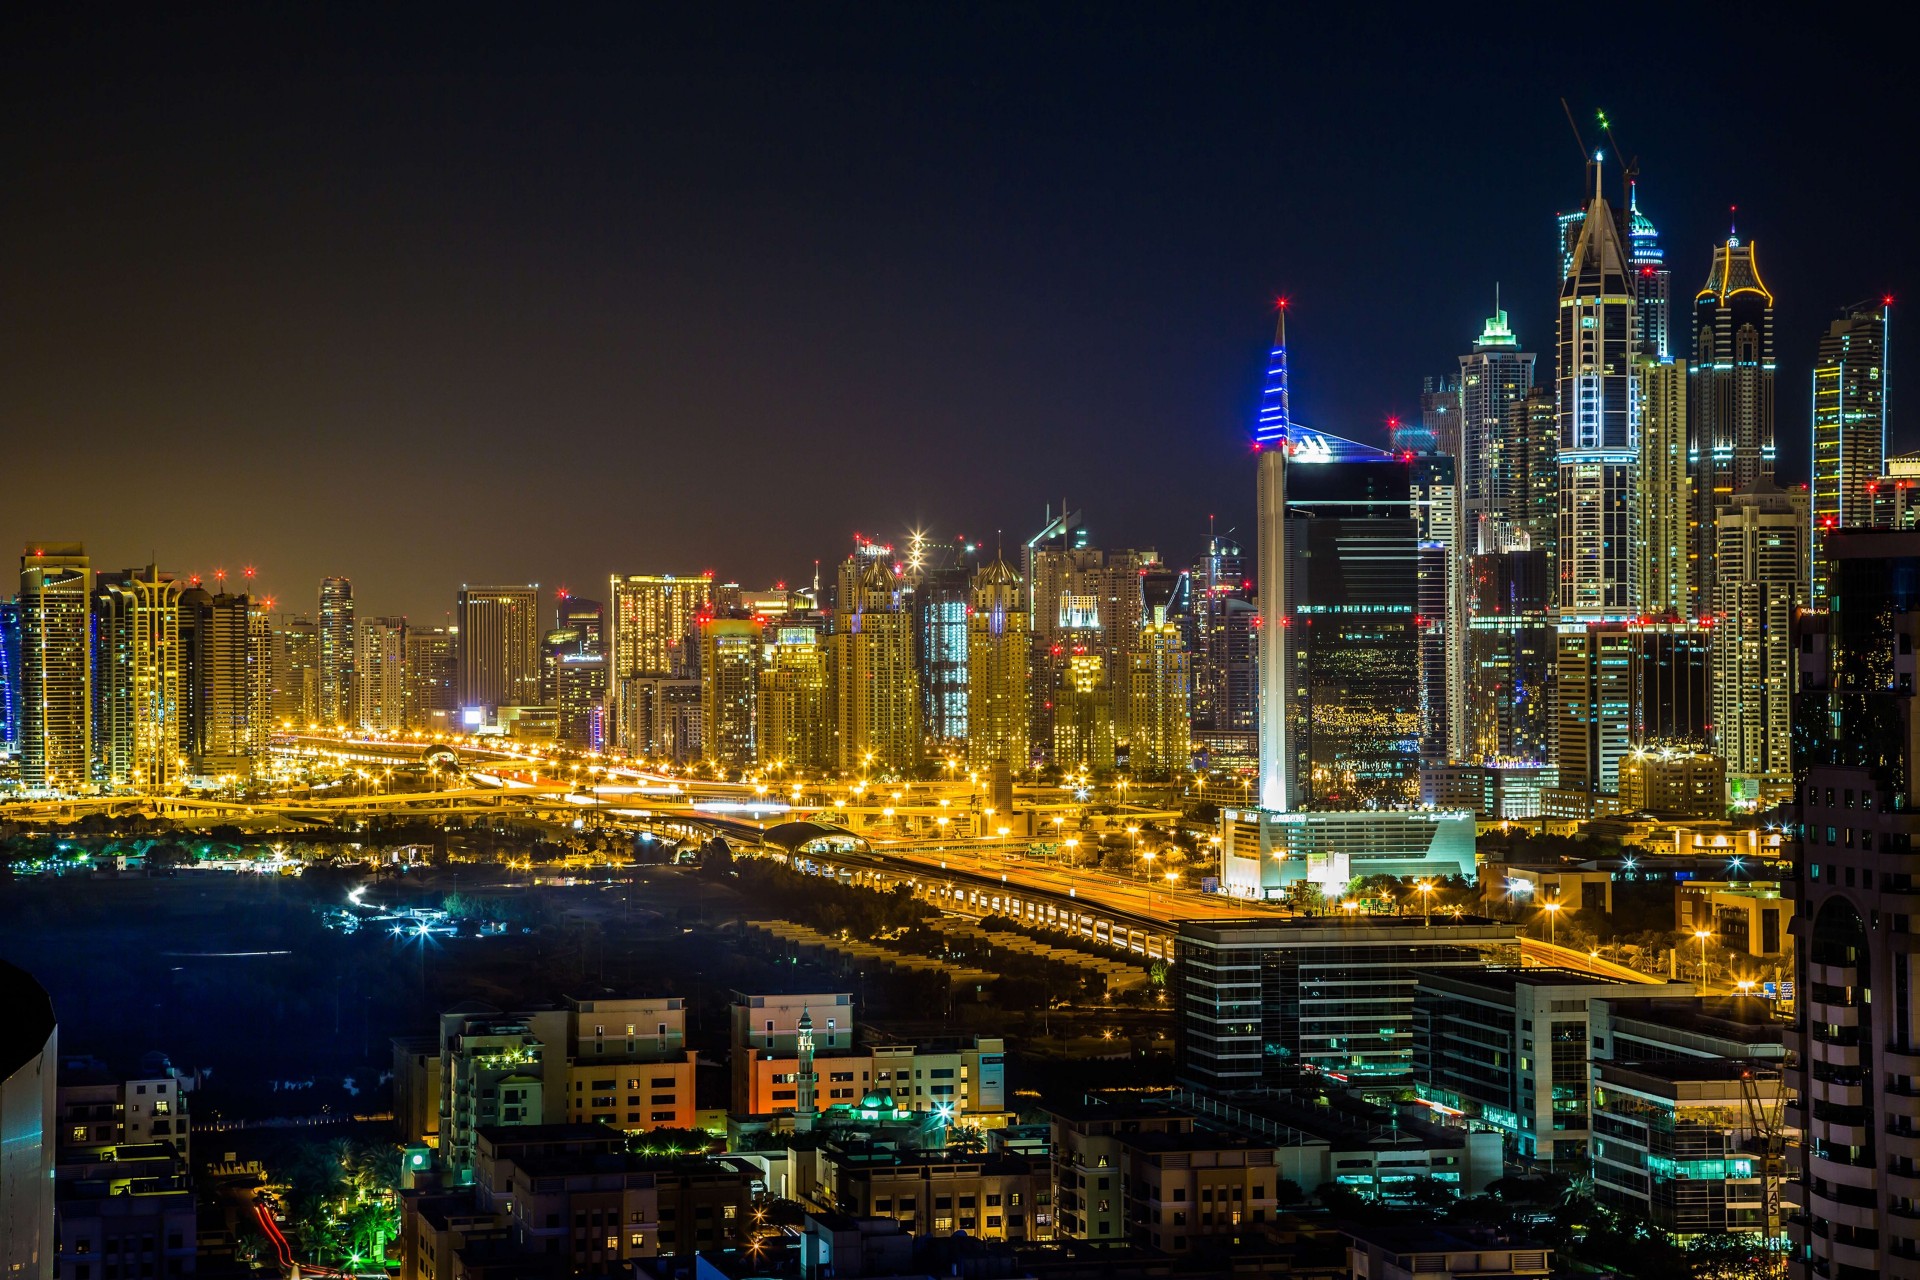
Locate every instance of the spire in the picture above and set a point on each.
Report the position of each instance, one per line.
(1275, 425)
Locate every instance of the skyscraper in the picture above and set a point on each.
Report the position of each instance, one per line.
(1667, 547)
(650, 636)
(1849, 426)
(940, 626)
(1440, 609)
(337, 705)
(998, 670)
(877, 693)
(1494, 377)
(222, 738)
(296, 687)
(1224, 680)
(1599, 409)
(1593, 705)
(1272, 438)
(498, 650)
(1082, 708)
(430, 663)
(1729, 396)
(1511, 655)
(10, 676)
(580, 698)
(137, 673)
(1762, 581)
(380, 653)
(795, 715)
(587, 617)
(1525, 500)
(56, 676)
(729, 686)
(1652, 283)
(1160, 728)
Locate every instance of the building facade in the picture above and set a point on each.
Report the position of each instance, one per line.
(1849, 426)
(56, 670)
(498, 651)
(998, 671)
(336, 636)
(1730, 397)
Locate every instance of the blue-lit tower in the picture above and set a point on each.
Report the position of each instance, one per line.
(1272, 434)
(9, 676)
(1652, 282)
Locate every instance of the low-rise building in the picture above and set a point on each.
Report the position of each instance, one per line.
(1673, 781)
(123, 1210)
(96, 1107)
(1436, 1253)
(930, 1193)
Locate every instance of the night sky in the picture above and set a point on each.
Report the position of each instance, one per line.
(431, 299)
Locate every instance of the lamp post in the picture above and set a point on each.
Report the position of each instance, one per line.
(1703, 935)
(1552, 908)
(1148, 855)
(1426, 901)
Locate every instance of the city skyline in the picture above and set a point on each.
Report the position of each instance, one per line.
(352, 316)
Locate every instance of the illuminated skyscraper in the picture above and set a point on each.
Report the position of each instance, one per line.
(940, 626)
(1763, 561)
(56, 677)
(498, 650)
(10, 676)
(137, 671)
(1442, 420)
(380, 654)
(1729, 397)
(1494, 376)
(1440, 609)
(1272, 438)
(1593, 704)
(1599, 410)
(263, 663)
(1160, 728)
(430, 661)
(998, 670)
(580, 699)
(1225, 677)
(296, 689)
(876, 688)
(337, 704)
(1511, 655)
(729, 687)
(1082, 710)
(220, 735)
(795, 715)
(1666, 508)
(1652, 283)
(650, 636)
(1525, 499)
(586, 617)
(1849, 426)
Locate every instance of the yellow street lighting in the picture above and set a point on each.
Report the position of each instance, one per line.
(1703, 935)
(1552, 908)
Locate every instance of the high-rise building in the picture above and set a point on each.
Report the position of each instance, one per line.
(10, 676)
(795, 714)
(940, 627)
(296, 687)
(1224, 677)
(1273, 441)
(56, 675)
(1160, 727)
(430, 701)
(1494, 377)
(498, 650)
(1667, 546)
(729, 687)
(1858, 808)
(876, 688)
(1849, 426)
(1593, 703)
(137, 670)
(1442, 420)
(1525, 500)
(1762, 581)
(1082, 709)
(1440, 609)
(1652, 283)
(1729, 396)
(650, 636)
(580, 699)
(29, 1084)
(222, 736)
(380, 654)
(336, 635)
(1599, 410)
(998, 670)
(1672, 691)
(586, 617)
(1511, 656)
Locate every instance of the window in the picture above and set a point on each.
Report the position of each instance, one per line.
(613, 1242)
(636, 1240)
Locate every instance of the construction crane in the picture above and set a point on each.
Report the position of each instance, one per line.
(1765, 1123)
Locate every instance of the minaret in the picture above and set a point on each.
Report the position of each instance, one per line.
(1599, 413)
(804, 1077)
(1271, 441)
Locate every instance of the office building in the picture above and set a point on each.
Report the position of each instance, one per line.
(586, 618)
(1495, 377)
(29, 1063)
(497, 660)
(1082, 705)
(1511, 648)
(1858, 805)
(1265, 854)
(1673, 782)
(650, 636)
(1160, 728)
(296, 673)
(662, 718)
(137, 673)
(1594, 703)
(126, 1208)
(56, 671)
(1260, 1002)
(430, 704)
(1730, 397)
(940, 648)
(336, 636)
(1599, 409)
(729, 687)
(1525, 502)
(1667, 539)
(998, 670)
(1225, 679)
(10, 676)
(1496, 792)
(1441, 426)
(1896, 494)
(1849, 426)
(1761, 583)
(793, 717)
(1509, 1048)
(877, 694)
(380, 653)
(221, 732)
(98, 1108)
(580, 700)
(1672, 686)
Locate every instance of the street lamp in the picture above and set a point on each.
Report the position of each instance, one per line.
(1426, 901)
(1149, 855)
(1552, 908)
(1703, 935)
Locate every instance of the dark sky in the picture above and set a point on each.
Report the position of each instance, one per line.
(525, 295)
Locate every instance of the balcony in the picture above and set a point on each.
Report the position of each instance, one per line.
(1900, 1060)
(1834, 1093)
